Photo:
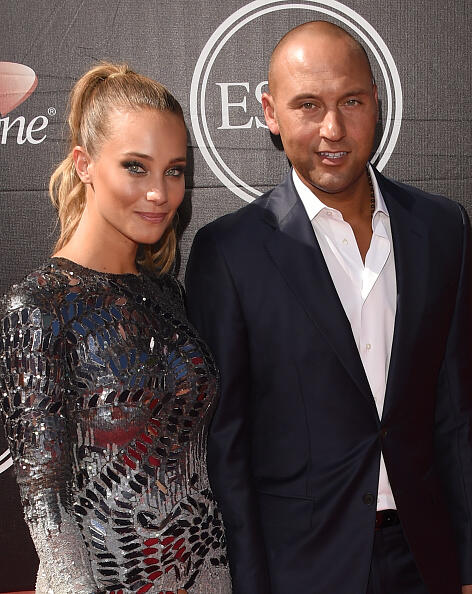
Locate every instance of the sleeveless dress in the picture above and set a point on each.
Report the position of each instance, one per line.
(106, 396)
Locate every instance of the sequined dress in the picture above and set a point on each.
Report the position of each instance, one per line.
(106, 397)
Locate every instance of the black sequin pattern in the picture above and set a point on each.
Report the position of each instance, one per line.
(106, 397)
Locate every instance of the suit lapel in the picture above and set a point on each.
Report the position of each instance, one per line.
(412, 267)
(297, 255)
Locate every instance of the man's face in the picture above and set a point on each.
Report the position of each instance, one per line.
(323, 104)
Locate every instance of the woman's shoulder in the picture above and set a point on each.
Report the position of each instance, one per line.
(42, 290)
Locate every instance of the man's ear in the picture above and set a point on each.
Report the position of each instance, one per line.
(82, 164)
(268, 105)
(376, 98)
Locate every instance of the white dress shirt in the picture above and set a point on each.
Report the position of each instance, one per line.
(367, 292)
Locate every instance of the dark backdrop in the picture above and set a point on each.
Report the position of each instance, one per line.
(429, 46)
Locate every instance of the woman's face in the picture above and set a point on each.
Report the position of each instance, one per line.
(136, 182)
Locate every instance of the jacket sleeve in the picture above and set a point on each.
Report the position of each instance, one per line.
(33, 407)
(453, 429)
(214, 308)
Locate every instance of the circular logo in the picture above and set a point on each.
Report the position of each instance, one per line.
(213, 99)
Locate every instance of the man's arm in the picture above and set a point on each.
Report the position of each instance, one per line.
(215, 310)
(453, 433)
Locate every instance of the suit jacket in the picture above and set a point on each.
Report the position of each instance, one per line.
(295, 442)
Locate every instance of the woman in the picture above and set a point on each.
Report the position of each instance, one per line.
(107, 391)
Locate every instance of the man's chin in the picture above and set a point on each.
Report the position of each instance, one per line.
(331, 185)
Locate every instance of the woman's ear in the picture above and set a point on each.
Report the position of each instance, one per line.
(82, 164)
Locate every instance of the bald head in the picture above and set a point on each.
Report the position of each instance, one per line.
(304, 38)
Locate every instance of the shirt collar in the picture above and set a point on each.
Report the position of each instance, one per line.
(314, 206)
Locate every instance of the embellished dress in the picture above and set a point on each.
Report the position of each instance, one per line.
(106, 395)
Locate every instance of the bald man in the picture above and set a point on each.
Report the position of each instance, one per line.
(339, 310)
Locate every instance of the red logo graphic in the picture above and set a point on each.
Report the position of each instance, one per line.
(17, 82)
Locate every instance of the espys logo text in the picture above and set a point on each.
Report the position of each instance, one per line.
(225, 95)
(17, 83)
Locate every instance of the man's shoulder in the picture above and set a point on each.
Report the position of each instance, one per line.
(419, 199)
(245, 223)
(415, 193)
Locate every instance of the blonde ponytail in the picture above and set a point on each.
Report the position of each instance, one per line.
(94, 96)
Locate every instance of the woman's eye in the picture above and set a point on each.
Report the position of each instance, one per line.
(175, 171)
(134, 167)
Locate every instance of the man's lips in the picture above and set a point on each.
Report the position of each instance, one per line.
(332, 154)
(153, 217)
(332, 157)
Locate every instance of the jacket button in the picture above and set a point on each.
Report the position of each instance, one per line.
(384, 432)
(368, 499)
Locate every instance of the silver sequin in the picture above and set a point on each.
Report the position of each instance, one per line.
(107, 395)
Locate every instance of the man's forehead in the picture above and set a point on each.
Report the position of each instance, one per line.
(318, 62)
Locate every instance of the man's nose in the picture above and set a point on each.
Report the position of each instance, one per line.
(157, 194)
(332, 126)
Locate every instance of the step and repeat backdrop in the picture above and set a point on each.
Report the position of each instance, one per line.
(214, 57)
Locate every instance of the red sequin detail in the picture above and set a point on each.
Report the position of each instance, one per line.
(179, 543)
(141, 447)
(155, 575)
(149, 551)
(135, 454)
(153, 403)
(129, 462)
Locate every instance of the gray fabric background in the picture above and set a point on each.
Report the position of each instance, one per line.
(429, 41)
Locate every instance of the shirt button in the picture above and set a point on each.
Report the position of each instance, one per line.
(368, 346)
(345, 241)
(368, 499)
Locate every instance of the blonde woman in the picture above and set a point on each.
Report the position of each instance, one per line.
(107, 391)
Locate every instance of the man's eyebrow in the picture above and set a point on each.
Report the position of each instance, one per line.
(302, 96)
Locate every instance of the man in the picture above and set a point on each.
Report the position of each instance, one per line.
(339, 310)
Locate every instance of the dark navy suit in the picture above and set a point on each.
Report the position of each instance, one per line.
(295, 443)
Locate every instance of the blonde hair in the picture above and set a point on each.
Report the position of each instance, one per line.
(100, 90)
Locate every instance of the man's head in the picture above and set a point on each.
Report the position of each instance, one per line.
(322, 101)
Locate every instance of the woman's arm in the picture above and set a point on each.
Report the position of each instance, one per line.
(33, 405)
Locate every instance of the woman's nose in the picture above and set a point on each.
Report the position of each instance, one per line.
(156, 195)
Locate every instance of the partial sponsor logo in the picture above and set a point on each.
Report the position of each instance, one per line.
(225, 96)
(17, 83)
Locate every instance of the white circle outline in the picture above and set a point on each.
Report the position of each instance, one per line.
(231, 25)
(241, 24)
(5, 461)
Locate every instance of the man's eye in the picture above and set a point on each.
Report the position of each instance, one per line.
(175, 171)
(308, 105)
(134, 167)
(352, 102)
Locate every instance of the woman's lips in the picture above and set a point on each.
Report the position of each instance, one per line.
(153, 217)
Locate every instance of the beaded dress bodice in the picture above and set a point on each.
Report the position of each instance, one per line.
(106, 397)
